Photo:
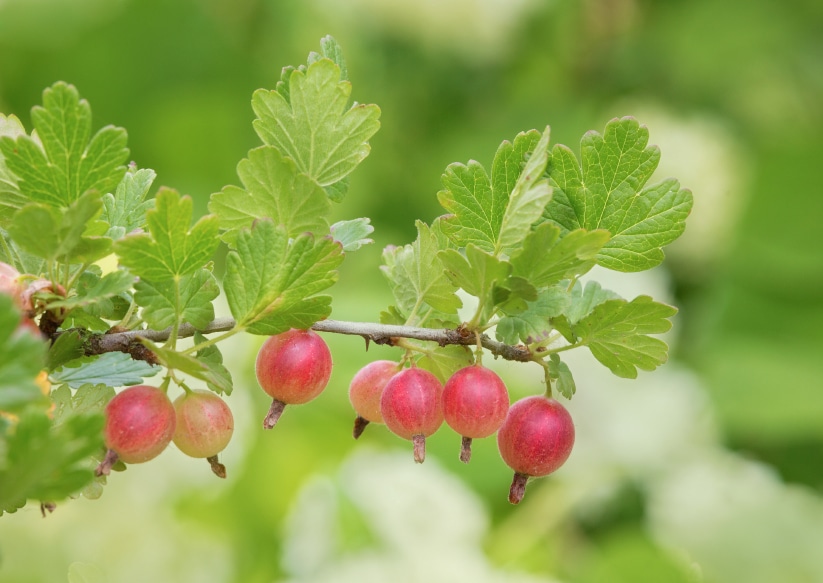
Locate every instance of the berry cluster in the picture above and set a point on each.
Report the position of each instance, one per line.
(535, 435)
(141, 421)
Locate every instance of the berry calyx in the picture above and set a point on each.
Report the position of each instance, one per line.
(535, 439)
(204, 426)
(365, 391)
(475, 403)
(412, 407)
(140, 422)
(293, 368)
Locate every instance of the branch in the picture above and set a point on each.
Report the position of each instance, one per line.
(371, 332)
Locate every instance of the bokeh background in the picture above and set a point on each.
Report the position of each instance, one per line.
(709, 469)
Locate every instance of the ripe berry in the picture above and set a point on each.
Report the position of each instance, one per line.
(293, 368)
(412, 408)
(204, 426)
(365, 391)
(475, 403)
(536, 438)
(140, 422)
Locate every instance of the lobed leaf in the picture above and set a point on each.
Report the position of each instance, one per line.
(352, 234)
(125, 210)
(172, 302)
(114, 369)
(11, 199)
(561, 375)
(533, 324)
(205, 370)
(86, 399)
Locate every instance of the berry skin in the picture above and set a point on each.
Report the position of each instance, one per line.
(475, 403)
(365, 391)
(293, 368)
(412, 407)
(536, 438)
(204, 424)
(140, 422)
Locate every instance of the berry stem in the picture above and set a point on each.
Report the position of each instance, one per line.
(466, 450)
(518, 488)
(273, 416)
(359, 426)
(419, 442)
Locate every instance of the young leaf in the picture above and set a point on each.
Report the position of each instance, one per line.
(65, 164)
(609, 192)
(173, 302)
(11, 199)
(22, 357)
(70, 233)
(477, 272)
(417, 276)
(172, 248)
(528, 199)
(114, 369)
(532, 325)
(126, 209)
(561, 374)
(45, 462)
(275, 189)
(269, 280)
(311, 126)
(545, 258)
(617, 333)
(444, 362)
(352, 234)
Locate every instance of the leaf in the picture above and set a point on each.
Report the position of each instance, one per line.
(172, 248)
(528, 199)
(114, 369)
(275, 189)
(477, 272)
(11, 199)
(444, 361)
(71, 233)
(417, 275)
(476, 210)
(329, 49)
(585, 299)
(65, 164)
(545, 258)
(126, 209)
(87, 399)
(269, 280)
(617, 333)
(609, 192)
(103, 288)
(561, 374)
(68, 346)
(22, 357)
(205, 370)
(352, 234)
(173, 302)
(213, 359)
(532, 325)
(511, 296)
(47, 463)
(311, 127)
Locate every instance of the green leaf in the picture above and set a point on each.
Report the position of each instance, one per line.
(114, 369)
(417, 276)
(330, 49)
(22, 357)
(476, 272)
(11, 199)
(275, 189)
(64, 164)
(23, 261)
(126, 209)
(312, 126)
(71, 234)
(532, 324)
(269, 280)
(585, 299)
(476, 209)
(444, 361)
(609, 192)
(213, 359)
(67, 347)
(208, 370)
(172, 249)
(617, 333)
(47, 463)
(352, 234)
(86, 399)
(173, 302)
(512, 295)
(528, 199)
(545, 258)
(561, 374)
(103, 288)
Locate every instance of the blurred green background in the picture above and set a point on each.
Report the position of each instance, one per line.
(709, 469)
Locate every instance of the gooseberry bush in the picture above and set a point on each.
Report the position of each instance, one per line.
(101, 282)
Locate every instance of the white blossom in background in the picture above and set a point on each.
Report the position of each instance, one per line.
(476, 30)
(428, 526)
